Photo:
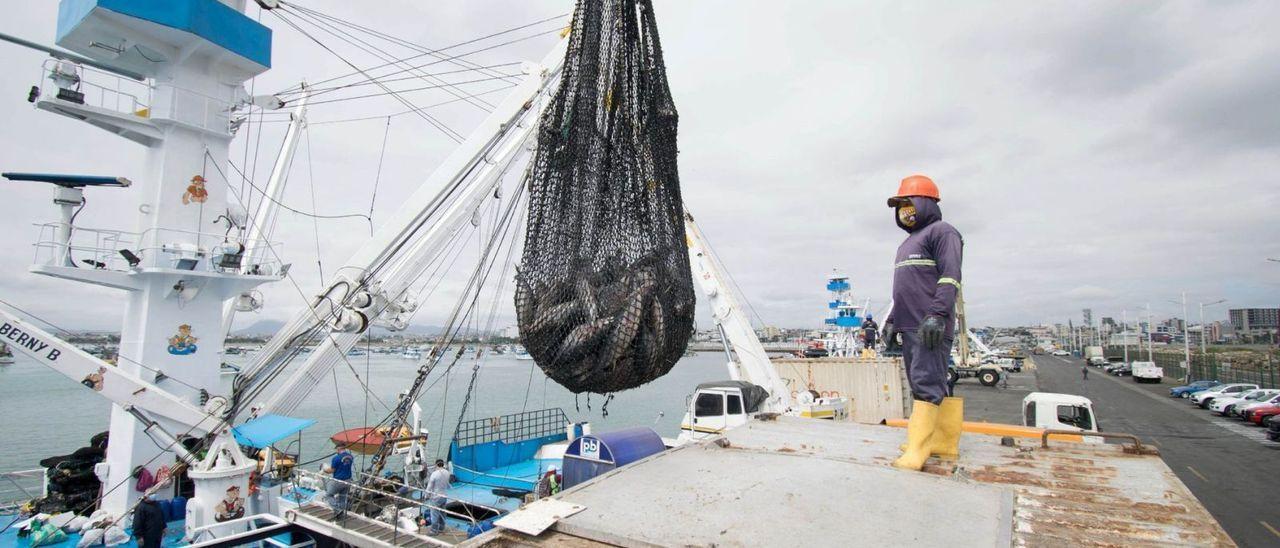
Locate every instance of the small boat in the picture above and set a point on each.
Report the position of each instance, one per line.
(356, 352)
(522, 354)
(367, 439)
(411, 354)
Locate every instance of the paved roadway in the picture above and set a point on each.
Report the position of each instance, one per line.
(1230, 467)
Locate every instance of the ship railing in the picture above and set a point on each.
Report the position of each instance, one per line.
(246, 529)
(17, 488)
(192, 108)
(394, 499)
(156, 248)
(100, 88)
(513, 428)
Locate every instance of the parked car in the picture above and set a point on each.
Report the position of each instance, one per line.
(1273, 431)
(1061, 352)
(1205, 397)
(1122, 370)
(1186, 391)
(1225, 405)
(1262, 416)
(1242, 408)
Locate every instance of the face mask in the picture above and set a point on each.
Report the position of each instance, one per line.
(907, 215)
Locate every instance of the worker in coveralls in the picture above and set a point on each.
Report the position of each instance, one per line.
(926, 281)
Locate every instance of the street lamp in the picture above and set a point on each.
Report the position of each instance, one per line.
(1203, 349)
(1186, 336)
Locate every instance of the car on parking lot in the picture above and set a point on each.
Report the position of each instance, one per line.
(1225, 405)
(1121, 370)
(1273, 431)
(1268, 401)
(1186, 391)
(1206, 397)
(1061, 352)
(1262, 416)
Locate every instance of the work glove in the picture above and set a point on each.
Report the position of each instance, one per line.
(931, 332)
(890, 337)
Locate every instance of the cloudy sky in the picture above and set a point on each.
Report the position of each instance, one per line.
(1093, 154)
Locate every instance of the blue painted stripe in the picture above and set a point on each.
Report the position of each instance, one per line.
(208, 19)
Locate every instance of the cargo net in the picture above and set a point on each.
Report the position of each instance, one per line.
(604, 296)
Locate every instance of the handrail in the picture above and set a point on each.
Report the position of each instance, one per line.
(1137, 447)
(12, 497)
(104, 245)
(197, 535)
(393, 496)
(88, 76)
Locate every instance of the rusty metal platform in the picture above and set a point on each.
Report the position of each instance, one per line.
(1069, 494)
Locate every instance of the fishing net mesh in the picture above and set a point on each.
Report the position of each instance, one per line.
(604, 296)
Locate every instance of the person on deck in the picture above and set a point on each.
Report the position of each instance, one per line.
(548, 484)
(926, 283)
(148, 522)
(340, 468)
(437, 485)
(869, 331)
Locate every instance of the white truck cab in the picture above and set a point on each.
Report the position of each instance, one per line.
(1058, 412)
(717, 406)
(1147, 372)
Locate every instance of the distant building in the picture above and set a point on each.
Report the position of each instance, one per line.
(1130, 338)
(1255, 322)
(769, 333)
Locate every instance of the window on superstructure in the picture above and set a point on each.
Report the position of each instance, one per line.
(708, 405)
(735, 404)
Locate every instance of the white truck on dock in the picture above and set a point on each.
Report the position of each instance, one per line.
(1093, 356)
(1147, 372)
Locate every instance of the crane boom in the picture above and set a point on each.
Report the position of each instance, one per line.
(752, 362)
(372, 286)
(121, 387)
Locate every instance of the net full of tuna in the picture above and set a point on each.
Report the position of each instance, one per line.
(604, 298)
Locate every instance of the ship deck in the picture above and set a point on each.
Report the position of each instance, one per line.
(792, 482)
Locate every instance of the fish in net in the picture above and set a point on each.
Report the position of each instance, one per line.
(604, 296)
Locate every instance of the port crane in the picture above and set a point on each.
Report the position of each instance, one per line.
(754, 386)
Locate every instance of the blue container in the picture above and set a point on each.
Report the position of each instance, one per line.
(596, 454)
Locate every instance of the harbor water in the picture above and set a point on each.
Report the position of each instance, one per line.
(46, 414)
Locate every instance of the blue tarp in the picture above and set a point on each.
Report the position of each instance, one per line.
(268, 429)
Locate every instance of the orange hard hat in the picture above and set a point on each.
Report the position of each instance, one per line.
(915, 185)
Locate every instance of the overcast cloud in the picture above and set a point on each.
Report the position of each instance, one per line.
(1093, 154)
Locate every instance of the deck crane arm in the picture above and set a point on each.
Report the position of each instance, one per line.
(135, 395)
(747, 359)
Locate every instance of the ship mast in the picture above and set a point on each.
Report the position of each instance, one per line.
(183, 260)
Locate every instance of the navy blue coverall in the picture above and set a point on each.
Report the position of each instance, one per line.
(926, 280)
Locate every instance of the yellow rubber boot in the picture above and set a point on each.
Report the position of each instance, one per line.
(924, 418)
(945, 441)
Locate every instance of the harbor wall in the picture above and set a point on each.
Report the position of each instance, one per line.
(876, 387)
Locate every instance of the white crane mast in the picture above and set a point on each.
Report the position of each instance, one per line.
(263, 220)
(752, 362)
(372, 285)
